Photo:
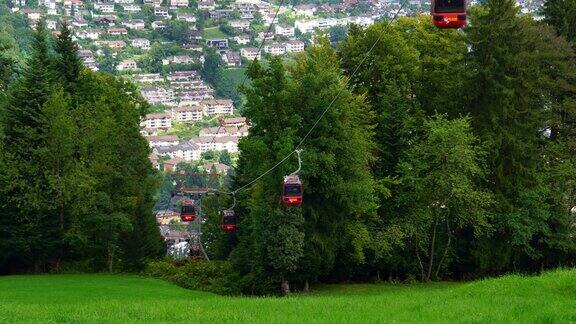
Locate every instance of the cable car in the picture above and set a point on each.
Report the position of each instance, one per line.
(229, 221)
(187, 211)
(448, 13)
(292, 195)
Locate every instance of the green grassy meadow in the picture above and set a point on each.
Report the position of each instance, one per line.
(213, 32)
(121, 299)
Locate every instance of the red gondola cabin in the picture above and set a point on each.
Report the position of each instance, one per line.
(292, 195)
(187, 211)
(229, 221)
(448, 13)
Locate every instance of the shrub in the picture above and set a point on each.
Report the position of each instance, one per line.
(213, 276)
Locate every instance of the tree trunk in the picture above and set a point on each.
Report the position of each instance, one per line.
(61, 249)
(420, 264)
(306, 286)
(432, 252)
(449, 233)
(285, 287)
(110, 258)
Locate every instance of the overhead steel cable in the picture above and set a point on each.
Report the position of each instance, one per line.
(325, 110)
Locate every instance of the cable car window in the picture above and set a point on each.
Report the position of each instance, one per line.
(292, 190)
(449, 6)
(187, 209)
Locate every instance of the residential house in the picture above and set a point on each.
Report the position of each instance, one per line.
(32, 14)
(250, 53)
(242, 39)
(92, 34)
(79, 23)
(232, 59)
(117, 31)
(183, 76)
(294, 46)
(287, 31)
(127, 65)
(234, 121)
(157, 120)
(123, 1)
(113, 44)
(187, 114)
(154, 3)
(219, 167)
(131, 8)
(148, 78)
(218, 106)
(158, 24)
(189, 151)
(264, 35)
(156, 95)
(275, 49)
(240, 24)
(178, 3)
(216, 131)
(186, 17)
(180, 59)
(222, 143)
(141, 43)
(307, 10)
(161, 12)
(306, 26)
(104, 20)
(104, 7)
(172, 164)
(206, 5)
(220, 13)
(163, 140)
(51, 24)
(219, 43)
(136, 24)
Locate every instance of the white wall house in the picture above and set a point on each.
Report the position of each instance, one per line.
(218, 106)
(187, 114)
(157, 120)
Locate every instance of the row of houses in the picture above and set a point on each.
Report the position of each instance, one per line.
(221, 138)
(187, 114)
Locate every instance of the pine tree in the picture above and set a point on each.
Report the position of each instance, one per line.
(562, 15)
(68, 64)
(32, 226)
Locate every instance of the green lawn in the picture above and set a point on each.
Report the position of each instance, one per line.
(120, 299)
(213, 32)
(236, 75)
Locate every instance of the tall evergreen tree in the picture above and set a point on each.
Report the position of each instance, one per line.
(68, 64)
(562, 15)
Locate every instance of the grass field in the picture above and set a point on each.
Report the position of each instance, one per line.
(236, 75)
(213, 32)
(121, 299)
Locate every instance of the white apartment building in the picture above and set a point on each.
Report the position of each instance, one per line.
(187, 114)
(157, 120)
(275, 49)
(287, 31)
(141, 43)
(250, 53)
(218, 106)
(294, 46)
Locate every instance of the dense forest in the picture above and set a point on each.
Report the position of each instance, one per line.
(76, 185)
(427, 155)
(440, 154)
